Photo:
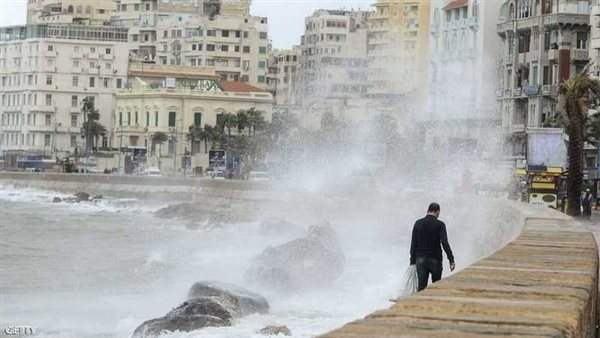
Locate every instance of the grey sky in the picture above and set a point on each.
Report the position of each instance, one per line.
(286, 17)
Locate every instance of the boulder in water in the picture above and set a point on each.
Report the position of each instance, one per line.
(192, 315)
(272, 330)
(248, 301)
(315, 260)
(56, 200)
(82, 196)
(208, 304)
(98, 197)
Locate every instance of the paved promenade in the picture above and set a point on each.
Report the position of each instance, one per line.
(542, 284)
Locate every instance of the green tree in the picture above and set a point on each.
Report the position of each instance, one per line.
(159, 138)
(256, 120)
(92, 129)
(576, 93)
(242, 120)
(228, 121)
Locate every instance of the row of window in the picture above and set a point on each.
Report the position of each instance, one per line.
(18, 139)
(18, 119)
(9, 100)
(197, 32)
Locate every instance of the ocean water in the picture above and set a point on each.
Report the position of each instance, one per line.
(101, 269)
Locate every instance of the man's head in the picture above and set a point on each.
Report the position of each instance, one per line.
(434, 210)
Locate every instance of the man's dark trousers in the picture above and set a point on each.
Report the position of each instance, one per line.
(426, 266)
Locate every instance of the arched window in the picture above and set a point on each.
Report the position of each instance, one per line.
(436, 17)
(88, 9)
(511, 12)
(147, 119)
(70, 9)
(120, 118)
(536, 8)
(79, 9)
(475, 11)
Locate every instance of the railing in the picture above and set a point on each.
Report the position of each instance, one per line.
(549, 90)
(553, 55)
(518, 92)
(531, 90)
(189, 91)
(580, 54)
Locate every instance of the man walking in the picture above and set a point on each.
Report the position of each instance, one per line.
(428, 233)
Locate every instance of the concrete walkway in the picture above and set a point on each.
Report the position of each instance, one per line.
(542, 284)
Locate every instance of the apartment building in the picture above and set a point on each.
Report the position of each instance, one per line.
(86, 12)
(170, 99)
(333, 62)
(46, 71)
(281, 77)
(397, 43)
(595, 37)
(201, 33)
(542, 44)
(463, 59)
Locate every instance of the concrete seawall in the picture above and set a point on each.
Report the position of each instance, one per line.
(542, 284)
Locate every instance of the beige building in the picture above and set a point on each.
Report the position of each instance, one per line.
(46, 71)
(397, 45)
(199, 33)
(332, 71)
(171, 99)
(281, 77)
(87, 12)
(542, 44)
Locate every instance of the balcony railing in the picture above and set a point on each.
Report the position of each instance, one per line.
(549, 90)
(531, 90)
(580, 55)
(553, 55)
(518, 92)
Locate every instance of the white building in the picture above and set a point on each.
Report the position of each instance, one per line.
(464, 56)
(88, 12)
(281, 77)
(46, 71)
(219, 34)
(333, 63)
(171, 99)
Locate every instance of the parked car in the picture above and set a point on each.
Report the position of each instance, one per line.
(258, 176)
(152, 171)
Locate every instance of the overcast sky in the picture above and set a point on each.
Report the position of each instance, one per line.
(286, 17)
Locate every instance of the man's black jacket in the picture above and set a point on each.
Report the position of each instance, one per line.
(428, 233)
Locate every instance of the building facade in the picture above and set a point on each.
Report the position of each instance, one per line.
(171, 100)
(219, 34)
(397, 42)
(83, 12)
(463, 59)
(281, 76)
(543, 43)
(332, 68)
(46, 71)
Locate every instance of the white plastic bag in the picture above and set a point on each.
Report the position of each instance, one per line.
(410, 281)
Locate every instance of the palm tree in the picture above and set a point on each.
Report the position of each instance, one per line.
(92, 129)
(228, 121)
(576, 93)
(242, 120)
(159, 138)
(256, 120)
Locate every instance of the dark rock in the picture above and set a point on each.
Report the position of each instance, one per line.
(98, 197)
(208, 304)
(192, 315)
(82, 196)
(70, 200)
(214, 216)
(312, 261)
(272, 330)
(248, 301)
(56, 200)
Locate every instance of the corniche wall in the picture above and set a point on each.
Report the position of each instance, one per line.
(544, 283)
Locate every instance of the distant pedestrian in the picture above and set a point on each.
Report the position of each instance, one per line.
(586, 203)
(428, 235)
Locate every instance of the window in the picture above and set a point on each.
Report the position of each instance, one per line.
(92, 82)
(225, 48)
(211, 32)
(73, 141)
(210, 62)
(136, 118)
(107, 51)
(198, 120)
(219, 119)
(261, 79)
(246, 34)
(75, 81)
(262, 64)
(48, 120)
(92, 64)
(119, 83)
(73, 120)
(47, 140)
(48, 99)
(75, 64)
(210, 47)
(534, 75)
(120, 118)
(192, 62)
(128, 118)
(136, 7)
(74, 101)
(108, 66)
(246, 49)
(147, 7)
(262, 50)
(156, 119)
(48, 79)
(92, 50)
(225, 33)
(172, 117)
(147, 119)
(135, 37)
(50, 48)
(237, 48)
(262, 35)
(106, 82)
(581, 40)
(194, 46)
